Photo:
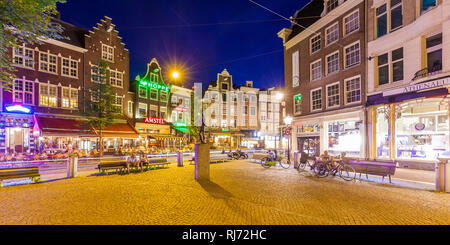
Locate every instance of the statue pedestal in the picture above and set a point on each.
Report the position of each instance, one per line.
(202, 162)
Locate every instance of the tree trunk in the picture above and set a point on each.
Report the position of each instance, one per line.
(101, 142)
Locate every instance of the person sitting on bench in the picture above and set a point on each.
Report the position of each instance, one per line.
(134, 162)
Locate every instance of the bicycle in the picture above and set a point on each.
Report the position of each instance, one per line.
(270, 161)
(345, 170)
(305, 160)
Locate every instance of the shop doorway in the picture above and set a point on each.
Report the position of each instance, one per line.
(17, 139)
(309, 145)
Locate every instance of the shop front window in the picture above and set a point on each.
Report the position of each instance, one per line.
(344, 136)
(382, 135)
(423, 130)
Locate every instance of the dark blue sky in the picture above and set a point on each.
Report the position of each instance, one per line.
(186, 33)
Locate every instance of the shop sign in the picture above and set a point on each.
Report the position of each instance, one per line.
(154, 120)
(181, 109)
(225, 130)
(18, 108)
(155, 86)
(421, 86)
(180, 124)
(298, 97)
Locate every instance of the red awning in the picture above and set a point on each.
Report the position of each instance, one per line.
(50, 126)
(118, 130)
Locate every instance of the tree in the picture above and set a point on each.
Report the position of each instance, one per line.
(24, 22)
(100, 107)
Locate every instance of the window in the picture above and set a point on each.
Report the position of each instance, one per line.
(396, 57)
(352, 55)
(119, 101)
(333, 99)
(96, 77)
(130, 108)
(297, 104)
(381, 20)
(48, 95)
(225, 86)
(426, 5)
(253, 98)
(95, 95)
(162, 112)
(23, 57)
(69, 98)
(434, 54)
(351, 23)
(295, 69)
(316, 70)
(142, 110)
(383, 69)
(107, 53)
(315, 44)
(154, 78)
(70, 69)
(153, 94)
(316, 99)
(332, 34)
(116, 78)
(353, 90)
(333, 63)
(397, 65)
(48, 62)
(23, 91)
(253, 111)
(224, 97)
(142, 91)
(153, 111)
(163, 96)
(396, 14)
(332, 4)
(245, 110)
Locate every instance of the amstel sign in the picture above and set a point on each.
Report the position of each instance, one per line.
(154, 120)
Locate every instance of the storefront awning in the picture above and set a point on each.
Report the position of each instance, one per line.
(118, 130)
(167, 137)
(49, 126)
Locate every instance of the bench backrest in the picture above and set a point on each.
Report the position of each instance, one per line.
(19, 171)
(157, 160)
(374, 167)
(112, 164)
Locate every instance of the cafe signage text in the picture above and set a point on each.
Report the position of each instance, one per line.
(420, 86)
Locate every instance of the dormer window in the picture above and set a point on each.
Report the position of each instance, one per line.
(332, 4)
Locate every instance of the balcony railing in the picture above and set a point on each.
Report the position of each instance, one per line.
(426, 72)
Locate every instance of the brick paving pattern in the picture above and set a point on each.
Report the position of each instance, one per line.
(241, 193)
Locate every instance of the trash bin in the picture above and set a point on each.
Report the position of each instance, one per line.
(443, 174)
(296, 159)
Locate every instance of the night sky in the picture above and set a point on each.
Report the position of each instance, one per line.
(198, 37)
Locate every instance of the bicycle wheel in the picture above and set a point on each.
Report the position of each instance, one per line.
(347, 172)
(264, 162)
(285, 163)
(321, 170)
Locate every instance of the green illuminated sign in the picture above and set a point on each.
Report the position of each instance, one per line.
(225, 130)
(156, 70)
(298, 97)
(155, 86)
(180, 124)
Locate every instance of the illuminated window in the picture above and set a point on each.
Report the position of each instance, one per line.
(333, 97)
(23, 91)
(154, 94)
(333, 63)
(69, 98)
(316, 99)
(352, 55)
(353, 90)
(116, 78)
(142, 110)
(48, 95)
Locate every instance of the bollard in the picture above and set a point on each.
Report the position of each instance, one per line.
(72, 166)
(180, 159)
(443, 174)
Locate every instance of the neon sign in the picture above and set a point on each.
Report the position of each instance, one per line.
(298, 97)
(181, 109)
(155, 86)
(18, 108)
(154, 120)
(180, 124)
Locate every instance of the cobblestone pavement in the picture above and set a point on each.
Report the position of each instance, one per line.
(240, 193)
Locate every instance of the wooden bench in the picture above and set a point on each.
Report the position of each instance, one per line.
(156, 162)
(374, 167)
(218, 158)
(105, 166)
(17, 173)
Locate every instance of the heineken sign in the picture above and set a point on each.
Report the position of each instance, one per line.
(420, 86)
(298, 97)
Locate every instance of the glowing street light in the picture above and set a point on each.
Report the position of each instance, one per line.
(279, 96)
(288, 120)
(175, 75)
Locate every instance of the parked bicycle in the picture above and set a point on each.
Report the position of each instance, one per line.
(332, 167)
(273, 159)
(306, 160)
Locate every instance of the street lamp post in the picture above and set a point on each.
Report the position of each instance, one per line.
(288, 121)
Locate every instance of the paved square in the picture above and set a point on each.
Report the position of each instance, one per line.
(241, 193)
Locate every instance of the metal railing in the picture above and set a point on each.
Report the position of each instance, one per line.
(428, 71)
